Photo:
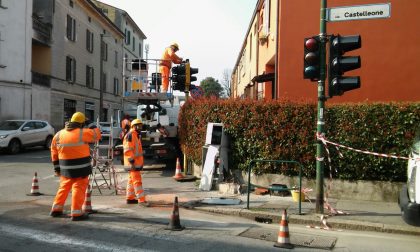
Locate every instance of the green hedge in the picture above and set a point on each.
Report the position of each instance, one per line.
(284, 130)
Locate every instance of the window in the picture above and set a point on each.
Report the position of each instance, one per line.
(127, 37)
(116, 86)
(89, 41)
(134, 44)
(71, 3)
(116, 59)
(2, 6)
(71, 28)
(104, 51)
(89, 76)
(70, 69)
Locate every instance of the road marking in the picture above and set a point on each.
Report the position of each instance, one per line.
(48, 177)
(58, 239)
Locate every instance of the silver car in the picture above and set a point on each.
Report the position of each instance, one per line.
(17, 134)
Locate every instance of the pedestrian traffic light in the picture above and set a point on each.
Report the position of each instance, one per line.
(339, 64)
(311, 65)
(178, 77)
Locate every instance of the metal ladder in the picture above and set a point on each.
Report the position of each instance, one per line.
(103, 174)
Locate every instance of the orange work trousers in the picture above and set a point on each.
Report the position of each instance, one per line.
(135, 187)
(78, 193)
(164, 71)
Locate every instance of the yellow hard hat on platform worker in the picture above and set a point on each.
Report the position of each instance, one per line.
(78, 117)
(135, 122)
(175, 45)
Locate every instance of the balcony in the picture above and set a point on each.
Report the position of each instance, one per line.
(41, 79)
(42, 31)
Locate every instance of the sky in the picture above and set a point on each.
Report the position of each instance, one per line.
(210, 33)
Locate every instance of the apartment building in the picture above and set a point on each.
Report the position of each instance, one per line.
(15, 61)
(133, 43)
(59, 57)
(390, 54)
(86, 62)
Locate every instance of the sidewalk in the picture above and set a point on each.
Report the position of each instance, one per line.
(356, 215)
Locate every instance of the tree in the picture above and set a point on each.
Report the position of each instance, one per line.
(211, 87)
(226, 83)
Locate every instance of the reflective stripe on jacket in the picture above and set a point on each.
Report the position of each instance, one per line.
(70, 151)
(133, 151)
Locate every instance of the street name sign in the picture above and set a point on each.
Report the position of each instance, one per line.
(359, 12)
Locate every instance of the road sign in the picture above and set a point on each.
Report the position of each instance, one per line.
(359, 12)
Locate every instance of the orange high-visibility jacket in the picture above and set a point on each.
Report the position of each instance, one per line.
(70, 151)
(168, 57)
(133, 151)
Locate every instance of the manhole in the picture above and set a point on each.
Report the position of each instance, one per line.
(297, 239)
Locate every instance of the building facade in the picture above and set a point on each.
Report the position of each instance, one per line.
(60, 57)
(133, 45)
(390, 54)
(15, 60)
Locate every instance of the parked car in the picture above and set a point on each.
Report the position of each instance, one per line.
(409, 199)
(17, 134)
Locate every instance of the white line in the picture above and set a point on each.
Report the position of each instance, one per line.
(47, 177)
(58, 239)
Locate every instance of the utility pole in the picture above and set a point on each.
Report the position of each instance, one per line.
(101, 81)
(320, 152)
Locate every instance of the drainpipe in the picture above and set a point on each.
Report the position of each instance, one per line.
(276, 71)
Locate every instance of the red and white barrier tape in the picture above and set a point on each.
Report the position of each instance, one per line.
(325, 142)
(322, 138)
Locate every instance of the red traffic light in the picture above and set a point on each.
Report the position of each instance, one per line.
(311, 45)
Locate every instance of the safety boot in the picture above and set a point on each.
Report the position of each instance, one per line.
(132, 201)
(80, 218)
(56, 214)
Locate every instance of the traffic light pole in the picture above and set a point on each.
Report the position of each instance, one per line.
(319, 206)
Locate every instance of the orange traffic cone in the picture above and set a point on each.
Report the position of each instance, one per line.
(35, 187)
(87, 205)
(174, 223)
(283, 240)
(178, 172)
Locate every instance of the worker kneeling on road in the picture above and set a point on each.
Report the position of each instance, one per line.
(133, 160)
(71, 158)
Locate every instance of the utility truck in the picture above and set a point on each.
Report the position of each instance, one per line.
(153, 108)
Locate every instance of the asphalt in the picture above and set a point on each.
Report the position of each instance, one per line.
(161, 188)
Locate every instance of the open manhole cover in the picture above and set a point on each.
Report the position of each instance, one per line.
(297, 239)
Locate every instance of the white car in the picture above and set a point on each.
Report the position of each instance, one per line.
(17, 134)
(409, 199)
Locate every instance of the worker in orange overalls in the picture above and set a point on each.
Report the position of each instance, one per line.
(169, 56)
(133, 160)
(70, 155)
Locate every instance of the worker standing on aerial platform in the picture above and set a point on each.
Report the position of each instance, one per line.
(169, 56)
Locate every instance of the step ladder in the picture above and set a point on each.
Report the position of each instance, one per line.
(103, 170)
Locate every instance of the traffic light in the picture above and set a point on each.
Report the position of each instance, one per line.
(311, 65)
(189, 75)
(178, 77)
(339, 64)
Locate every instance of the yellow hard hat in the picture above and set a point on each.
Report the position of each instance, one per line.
(78, 117)
(135, 122)
(175, 45)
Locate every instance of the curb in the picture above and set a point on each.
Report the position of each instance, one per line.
(314, 220)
